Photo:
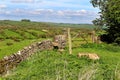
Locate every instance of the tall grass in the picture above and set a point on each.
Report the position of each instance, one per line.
(52, 65)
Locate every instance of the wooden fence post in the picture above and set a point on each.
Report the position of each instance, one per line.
(69, 41)
(93, 36)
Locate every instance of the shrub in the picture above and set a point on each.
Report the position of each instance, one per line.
(25, 20)
(9, 44)
(117, 40)
(16, 40)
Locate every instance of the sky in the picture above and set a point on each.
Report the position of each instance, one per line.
(60, 11)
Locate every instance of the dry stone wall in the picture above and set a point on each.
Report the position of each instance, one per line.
(9, 62)
(60, 41)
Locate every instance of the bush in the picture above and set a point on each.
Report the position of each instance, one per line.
(117, 40)
(16, 40)
(9, 44)
(106, 38)
(25, 20)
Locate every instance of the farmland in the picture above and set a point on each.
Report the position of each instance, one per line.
(14, 35)
(53, 65)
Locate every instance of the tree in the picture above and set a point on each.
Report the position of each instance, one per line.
(25, 20)
(109, 16)
(98, 23)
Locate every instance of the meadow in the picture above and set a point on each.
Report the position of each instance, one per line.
(54, 65)
(15, 35)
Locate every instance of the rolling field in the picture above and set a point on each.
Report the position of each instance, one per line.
(13, 40)
(16, 35)
(54, 65)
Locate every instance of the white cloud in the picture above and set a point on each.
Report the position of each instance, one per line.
(2, 6)
(41, 11)
(19, 11)
(49, 10)
(83, 11)
(56, 13)
(58, 4)
(25, 1)
(73, 13)
(60, 13)
(5, 12)
(72, 16)
(22, 1)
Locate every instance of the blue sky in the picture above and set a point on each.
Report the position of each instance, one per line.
(61, 11)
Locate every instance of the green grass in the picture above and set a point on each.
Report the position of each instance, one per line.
(6, 50)
(25, 34)
(8, 33)
(15, 35)
(36, 33)
(10, 49)
(1, 36)
(20, 34)
(37, 25)
(52, 65)
(88, 26)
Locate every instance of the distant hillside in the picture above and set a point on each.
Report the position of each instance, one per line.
(43, 24)
(89, 26)
(9, 23)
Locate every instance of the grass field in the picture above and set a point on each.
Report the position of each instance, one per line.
(52, 65)
(12, 41)
(43, 24)
(14, 35)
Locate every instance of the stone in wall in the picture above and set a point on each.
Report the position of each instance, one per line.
(45, 45)
(60, 41)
